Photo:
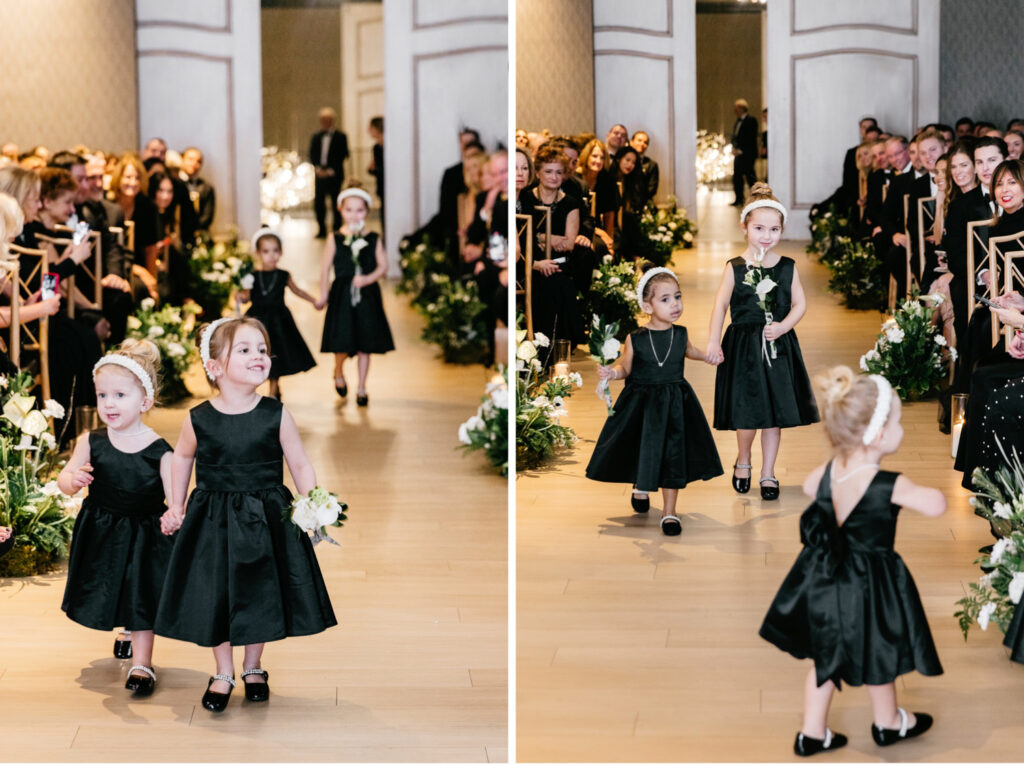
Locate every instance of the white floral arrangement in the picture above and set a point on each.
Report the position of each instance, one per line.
(908, 352)
(763, 285)
(315, 512)
(604, 350)
(666, 228)
(171, 329)
(487, 430)
(540, 407)
(613, 293)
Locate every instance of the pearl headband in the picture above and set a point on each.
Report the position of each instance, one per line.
(763, 203)
(264, 231)
(647, 277)
(355, 192)
(204, 343)
(116, 359)
(882, 406)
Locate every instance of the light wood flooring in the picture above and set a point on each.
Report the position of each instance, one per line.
(416, 670)
(633, 646)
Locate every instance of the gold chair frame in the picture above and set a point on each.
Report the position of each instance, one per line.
(524, 223)
(40, 340)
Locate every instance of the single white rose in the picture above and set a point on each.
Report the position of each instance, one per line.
(147, 303)
(53, 409)
(156, 331)
(894, 334)
(940, 340)
(134, 323)
(247, 281)
(610, 349)
(614, 281)
(304, 515)
(687, 237)
(1001, 510)
(175, 350)
(541, 340)
(526, 351)
(985, 613)
(1016, 587)
(764, 287)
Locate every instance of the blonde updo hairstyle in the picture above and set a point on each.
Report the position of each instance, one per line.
(848, 403)
(224, 336)
(145, 354)
(761, 192)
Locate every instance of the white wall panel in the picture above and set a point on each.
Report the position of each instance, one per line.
(890, 15)
(362, 81)
(431, 13)
(649, 16)
(214, 15)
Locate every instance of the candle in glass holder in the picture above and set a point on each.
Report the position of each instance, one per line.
(561, 369)
(957, 427)
(958, 415)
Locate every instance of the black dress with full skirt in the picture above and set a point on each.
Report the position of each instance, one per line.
(750, 394)
(289, 353)
(849, 602)
(658, 436)
(360, 328)
(240, 572)
(118, 554)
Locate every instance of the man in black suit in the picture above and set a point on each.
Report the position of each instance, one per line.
(648, 167)
(744, 149)
(929, 148)
(453, 183)
(891, 240)
(200, 192)
(869, 130)
(328, 151)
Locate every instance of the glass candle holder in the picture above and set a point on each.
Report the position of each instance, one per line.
(560, 354)
(86, 419)
(957, 417)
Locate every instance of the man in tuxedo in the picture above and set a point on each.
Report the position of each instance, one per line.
(453, 183)
(929, 148)
(155, 147)
(890, 237)
(850, 160)
(648, 167)
(617, 137)
(878, 185)
(744, 149)
(328, 151)
(486, 248)
(200, 192)
(964, 126)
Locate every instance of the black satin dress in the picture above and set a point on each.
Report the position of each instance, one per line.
(658, 436)
(360, 328)
(289, 352)
(750, 394)
(118, 554)
(849, 602)
(239, 572)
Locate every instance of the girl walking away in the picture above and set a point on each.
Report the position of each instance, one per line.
(658, 436)
(355, 323)
(291, 355)
(849, 603)
(119, 553)
(239, 575)
(761, 382)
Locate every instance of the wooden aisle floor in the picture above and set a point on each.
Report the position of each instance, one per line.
(416, 670)
(633, 646)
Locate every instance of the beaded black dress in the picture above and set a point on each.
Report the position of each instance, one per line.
(240, 572)
(750, 394)
(289, 353)
(658, 436)
(118, 555)
(849, 602)
(359, 328)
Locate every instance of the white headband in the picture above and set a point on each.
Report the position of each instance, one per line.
(763, 203)
(355, 192)
(204, 343)
(882, 406)
(116, 359)
(264, 231)
(647, 277)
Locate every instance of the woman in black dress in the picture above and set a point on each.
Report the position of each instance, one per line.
(129, 188)
(174, 284)
(849, 602)
(355, 323)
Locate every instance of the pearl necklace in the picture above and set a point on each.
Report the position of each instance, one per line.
(852, 472)
(671, 339)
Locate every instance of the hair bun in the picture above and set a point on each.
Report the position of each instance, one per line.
(140, 349)
(835, 383)
(760, 188)
(646, 265)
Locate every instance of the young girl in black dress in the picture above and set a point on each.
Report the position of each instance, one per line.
(355, 323)
(291, 355)
(239, 574)
(658, 436)
(761, 382)
(849, 602)
(119, 551)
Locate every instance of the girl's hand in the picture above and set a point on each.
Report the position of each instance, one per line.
(360, 281)
(546, 267)
(319, 304)
(81, 477)
(606, 372)
(773, 331)
(171, 520)
(714, 355)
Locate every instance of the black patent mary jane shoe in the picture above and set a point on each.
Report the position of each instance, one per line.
(123, 647)
(808, 746)
(257, 692)
(141, 686)
(217, 701)
(740, 485)
(886, 736)
(642, 505)
(769, 488)
(341, 390)
(362, 400)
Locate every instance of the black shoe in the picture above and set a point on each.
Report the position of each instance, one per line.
(740, 485)
(769, 492)
(808, 746)
(640, 505)
(671, 525)
(122, 648)
(885, 736)
(257, 692)
(342, 391)
(217, 701)
(362, 400)
(321, 234)
(141, 686)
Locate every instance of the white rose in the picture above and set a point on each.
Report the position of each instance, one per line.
(175, 350)
(610, 349)
(940, 340)
(304, 515)
(156, 331)
(526, 351)
(541, 340)
(1001, 547)
(596, 275)
(687, 237)
(863, 363)
(614, 281)
(1001, 510)
(134, 323)
(986, 612)
(1016, 587)
(147, 303)
(608, 258)
(500, 399)
(53, 409)
(894, 334)
(764, 287)
(247, 281)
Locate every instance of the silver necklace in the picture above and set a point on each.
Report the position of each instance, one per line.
(265, 291)
(671, 339)
(852, 472)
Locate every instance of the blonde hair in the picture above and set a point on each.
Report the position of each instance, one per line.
(144, 353)
(848, 403)
(19, 183)
(127, 160)
(12, 218)
(224, 335)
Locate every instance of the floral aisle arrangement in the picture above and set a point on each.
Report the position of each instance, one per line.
(418, 261)
(487, 429)
(31, 504)
(315, 512)
(218, 270)
(858, 275)
(827, 225)
(665, 229)
(172, 330)
(604, 349)
(714, 157)
(613, 294)
(909, 352)
(539, 406)
(456, 320)
(1000, 500)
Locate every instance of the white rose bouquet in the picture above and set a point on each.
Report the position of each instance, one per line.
(763, 286)
(356, 242)
(316, 511)
(604, 349)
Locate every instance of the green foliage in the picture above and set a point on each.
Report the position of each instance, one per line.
(418, 262)
(664, 230)
(456, 320)
(613, 295)
(217, 270)
(487, 430)
(857, 274)
(172, 330)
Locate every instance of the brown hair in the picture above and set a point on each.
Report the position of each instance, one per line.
(550, 155)
(129, 160)
(224, 335)
(1014, 167)
(647, 265)
(53, 181)
(760, 192)
(145, 354)
(606, 160)
(848, 404)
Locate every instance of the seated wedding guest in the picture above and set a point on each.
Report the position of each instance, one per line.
(186, 211)
(486, 248)
(602, 193)
(617, 138)
(172, 272)
(522, 138)
(473, 162)
(858, 208)
(929, 149)
(201, 193)
(940, 284)
(889, 235)
(850, 160)
(155, 148)
(524, 172)
(648, 167)
(589, 249)
(964, 126)
(453, 183)
(555, 309)
(624, 225)
(1014, 143)
(878, 186)
(130, 185)
(948, 135)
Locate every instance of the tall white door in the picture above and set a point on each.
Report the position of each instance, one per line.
(362, 81)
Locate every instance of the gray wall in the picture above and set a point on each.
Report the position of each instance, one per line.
(728, 67)
(980, 71)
